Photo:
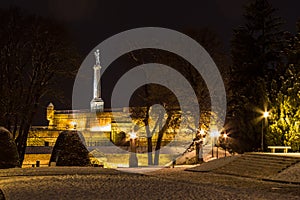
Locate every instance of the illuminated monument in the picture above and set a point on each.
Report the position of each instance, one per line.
(96, 124)
(99, 128)
(97, 104)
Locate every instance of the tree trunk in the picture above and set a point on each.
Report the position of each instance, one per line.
(149, 137)
(21, 140)
(161, 132)
(22, 143)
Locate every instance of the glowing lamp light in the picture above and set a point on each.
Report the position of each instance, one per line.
(133, 135)
(74, 124)
(202, 132)
(266, 114)
(225, 135)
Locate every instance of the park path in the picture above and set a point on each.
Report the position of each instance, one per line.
(166, 183)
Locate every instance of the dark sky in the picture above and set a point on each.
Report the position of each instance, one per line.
(92, 21)
(89, 22)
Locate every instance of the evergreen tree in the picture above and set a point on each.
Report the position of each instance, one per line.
(284, 97)
(255, 53)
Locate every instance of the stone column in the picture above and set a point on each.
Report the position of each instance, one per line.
(97, 82)
(97, 104)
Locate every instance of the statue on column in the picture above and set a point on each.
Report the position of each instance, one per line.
(97, 57)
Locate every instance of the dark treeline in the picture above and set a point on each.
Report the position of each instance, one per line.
(34, 53)
(264, 76)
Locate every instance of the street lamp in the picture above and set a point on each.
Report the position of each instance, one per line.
(74, 125)
(225, 137)
(265, 115)
(202, 133)
(214, 135)
(198, 141)
(212, 145)
(133, 162)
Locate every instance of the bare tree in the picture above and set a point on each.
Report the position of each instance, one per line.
(151, 94)
(34, 52)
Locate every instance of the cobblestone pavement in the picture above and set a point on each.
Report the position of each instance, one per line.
(91, 183)
(291, 174)
(246, 187)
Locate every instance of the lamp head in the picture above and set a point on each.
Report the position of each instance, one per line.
(266, 114)
(133, 135)
(202, 132)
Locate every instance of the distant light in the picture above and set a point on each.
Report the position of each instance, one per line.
(225, 135)
(202, 132)
(266, 114)
(73, 123)
(133, 135)
(215, 133)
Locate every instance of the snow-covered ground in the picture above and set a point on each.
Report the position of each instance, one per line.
(165, 183)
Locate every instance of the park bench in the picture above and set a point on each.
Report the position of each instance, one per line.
(285, 148)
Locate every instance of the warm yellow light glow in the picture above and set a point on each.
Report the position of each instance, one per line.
(266, 114)
(73, 123)
(133, 135)
(202, 132)
(225, 135)
(101, 128)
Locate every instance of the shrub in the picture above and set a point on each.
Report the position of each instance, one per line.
(70, 150)
(9, 157)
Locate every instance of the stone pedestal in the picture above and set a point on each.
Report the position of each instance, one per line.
(133, 161)
(97, 105)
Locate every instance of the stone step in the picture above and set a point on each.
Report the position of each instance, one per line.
(269, 161)
(270, 157)
(238, 167)
(257, 165)
(245, 173)
(253, 169)
(259, 162)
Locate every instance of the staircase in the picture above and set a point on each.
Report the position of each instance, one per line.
(257, 165)
(190, 154)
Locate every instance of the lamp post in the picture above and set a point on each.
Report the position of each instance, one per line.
(212, 148)
(212, 145)
(214, 134)
(199, 145)
(265, 115)
(217, 145)
(202, 133)
(74, 125)
(133, 161)
(225, 137)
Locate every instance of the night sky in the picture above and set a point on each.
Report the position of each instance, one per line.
(92, 21)
(89, 22)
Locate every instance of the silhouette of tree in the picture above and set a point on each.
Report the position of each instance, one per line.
(152, 94)
(34, 52)
(255, 53)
